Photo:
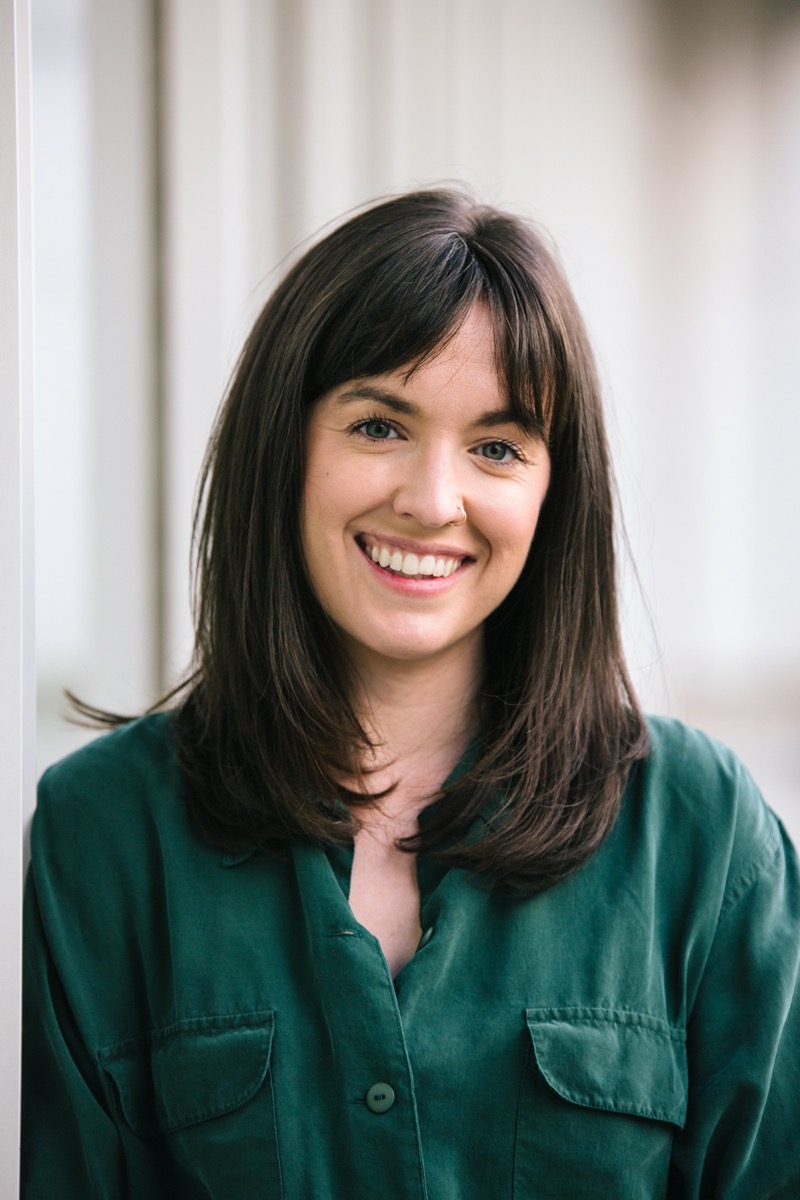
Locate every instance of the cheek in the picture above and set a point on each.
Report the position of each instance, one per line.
(337, 481)
(511, 531)
(330, 505)
(510, 552)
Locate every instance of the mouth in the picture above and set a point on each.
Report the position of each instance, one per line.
(411, 565)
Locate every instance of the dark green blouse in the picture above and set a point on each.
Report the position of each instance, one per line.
(203, 1026)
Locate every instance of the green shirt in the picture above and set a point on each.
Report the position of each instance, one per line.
(198, 1025)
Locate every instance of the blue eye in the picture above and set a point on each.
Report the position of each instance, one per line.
(498, 452)
(374, 429)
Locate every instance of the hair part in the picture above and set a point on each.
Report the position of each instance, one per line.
(267, 726)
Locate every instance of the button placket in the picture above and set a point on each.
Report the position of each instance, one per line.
(368, 1035)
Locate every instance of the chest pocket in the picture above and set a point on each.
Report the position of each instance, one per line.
(195, 1108)
(602, 1095)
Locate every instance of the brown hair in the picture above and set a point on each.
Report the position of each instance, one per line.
(266, 725)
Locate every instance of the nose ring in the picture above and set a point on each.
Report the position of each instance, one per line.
(462, 516)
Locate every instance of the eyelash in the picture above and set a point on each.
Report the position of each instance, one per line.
(357, 429)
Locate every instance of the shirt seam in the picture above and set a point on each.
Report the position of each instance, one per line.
(748, 878)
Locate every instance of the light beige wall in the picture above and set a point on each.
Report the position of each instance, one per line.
(98, 585)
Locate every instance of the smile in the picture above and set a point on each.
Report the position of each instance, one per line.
(415, 566)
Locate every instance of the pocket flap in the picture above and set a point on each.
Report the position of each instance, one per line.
(614, 1060)
(191, 1071)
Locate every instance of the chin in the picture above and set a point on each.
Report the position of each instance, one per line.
(411, 650)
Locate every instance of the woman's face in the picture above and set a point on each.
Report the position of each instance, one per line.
(389, 463)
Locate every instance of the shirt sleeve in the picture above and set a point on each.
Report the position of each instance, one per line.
(70, 1144)
(742, 1135)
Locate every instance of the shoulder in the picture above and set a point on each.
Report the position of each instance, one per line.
(112, 799)
(139, 751)
(118, 769)
(694, 800)
(690, 775)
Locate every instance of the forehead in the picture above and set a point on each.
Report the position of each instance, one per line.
(465, 363)
(457, 383)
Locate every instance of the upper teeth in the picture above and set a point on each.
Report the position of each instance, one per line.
(412, 564)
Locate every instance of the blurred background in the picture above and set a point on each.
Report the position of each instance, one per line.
(183, 149)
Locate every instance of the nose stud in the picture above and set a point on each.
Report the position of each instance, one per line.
(462, 516)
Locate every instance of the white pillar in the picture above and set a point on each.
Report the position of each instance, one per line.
(17, 708)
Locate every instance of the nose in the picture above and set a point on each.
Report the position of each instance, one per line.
(431, 490)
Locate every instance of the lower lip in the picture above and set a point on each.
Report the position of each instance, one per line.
(407, 585)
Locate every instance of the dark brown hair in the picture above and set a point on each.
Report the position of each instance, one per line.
(266, 725)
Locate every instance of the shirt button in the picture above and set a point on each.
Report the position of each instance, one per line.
(380, 1098)
(426, 937)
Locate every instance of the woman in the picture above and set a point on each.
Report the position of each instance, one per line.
(404, 897)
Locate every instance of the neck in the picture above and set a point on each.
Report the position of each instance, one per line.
(421, 718)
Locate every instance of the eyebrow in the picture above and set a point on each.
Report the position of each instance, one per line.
(487, 420)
